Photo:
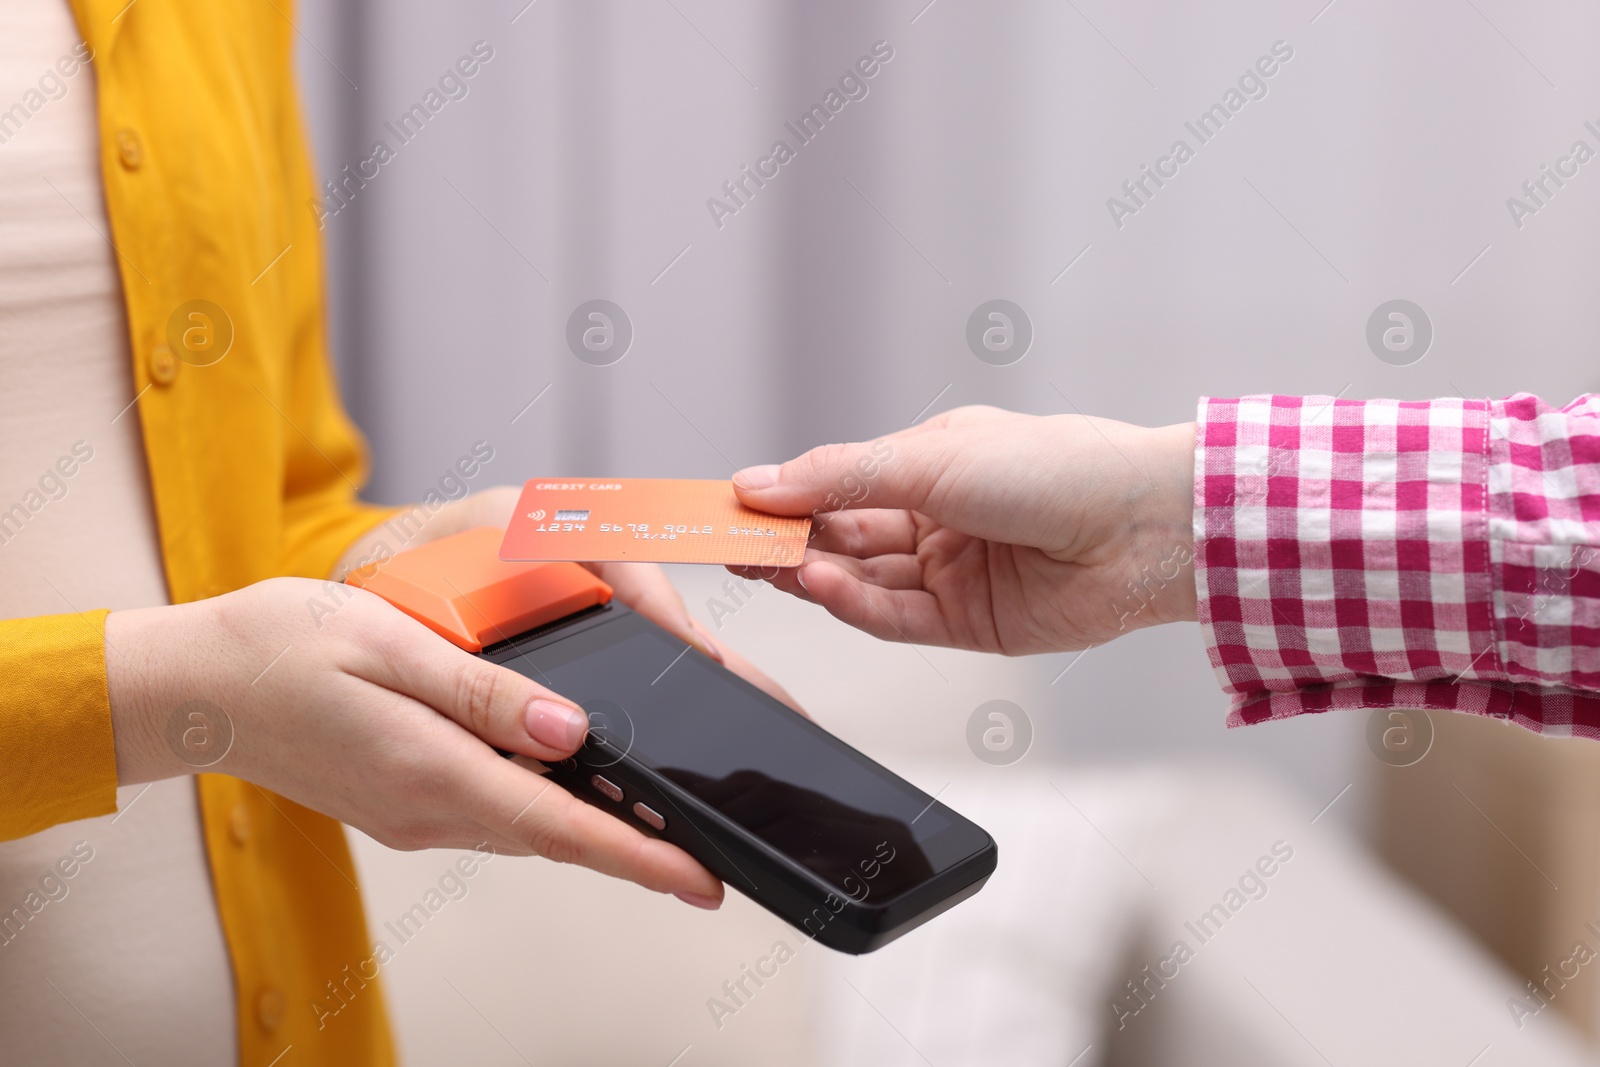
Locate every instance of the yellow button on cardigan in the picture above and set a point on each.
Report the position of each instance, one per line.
(253, 468)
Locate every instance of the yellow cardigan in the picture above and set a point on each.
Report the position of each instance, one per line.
(253, 468)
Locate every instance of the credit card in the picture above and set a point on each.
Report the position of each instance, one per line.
(648, 520)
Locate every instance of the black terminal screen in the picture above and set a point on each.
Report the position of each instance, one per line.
(793, 785)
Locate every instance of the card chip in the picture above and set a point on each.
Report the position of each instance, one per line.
(572, 515)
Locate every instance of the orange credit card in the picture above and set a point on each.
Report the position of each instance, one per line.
(649, 520)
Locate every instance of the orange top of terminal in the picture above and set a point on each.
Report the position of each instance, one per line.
(459, 588)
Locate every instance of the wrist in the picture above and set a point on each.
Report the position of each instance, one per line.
(142, 692)
(1167, 509)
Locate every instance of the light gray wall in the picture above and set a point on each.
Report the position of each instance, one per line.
(979, 166)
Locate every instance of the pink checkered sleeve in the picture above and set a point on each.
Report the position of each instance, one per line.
(1441, 555)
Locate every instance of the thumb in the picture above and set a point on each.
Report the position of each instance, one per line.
(891, 472)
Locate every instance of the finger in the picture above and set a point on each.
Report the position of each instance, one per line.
(708, 644)
(761, 680)
(868, 532)
(645, 588)
(891, 614)
(551, 822)
(779, 578)
(898, 571)
(495, 703)
(736, 663)
(898, 471)
(894, 571)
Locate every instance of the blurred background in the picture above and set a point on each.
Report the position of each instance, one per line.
(1439, 865)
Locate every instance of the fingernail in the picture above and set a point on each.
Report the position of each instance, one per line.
(800, 576)
(757, 477)
(708, 903)
(557, 725)
(706, 643)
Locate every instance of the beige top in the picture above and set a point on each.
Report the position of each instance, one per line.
(124, 960)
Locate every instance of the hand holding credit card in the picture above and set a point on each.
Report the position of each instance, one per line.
(648, 520)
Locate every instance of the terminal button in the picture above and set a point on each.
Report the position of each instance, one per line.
(650, 817)
(610, 789)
